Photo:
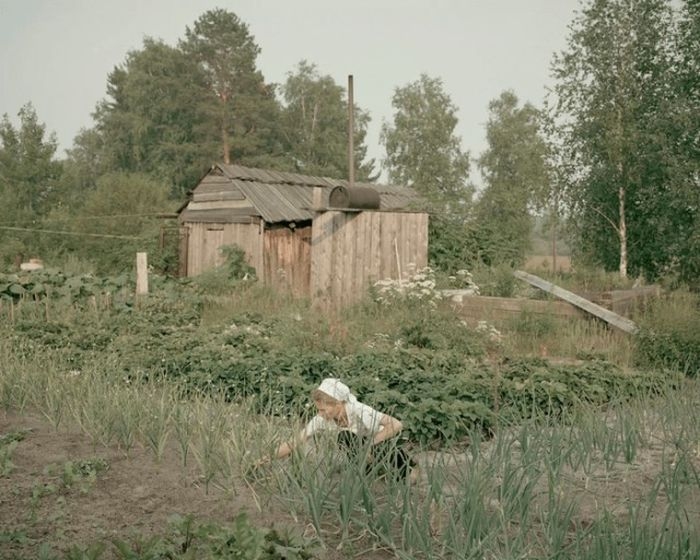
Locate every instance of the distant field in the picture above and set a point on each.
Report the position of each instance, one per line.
(535, 262)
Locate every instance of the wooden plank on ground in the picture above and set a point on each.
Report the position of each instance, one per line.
(471, 306)
(606, 315)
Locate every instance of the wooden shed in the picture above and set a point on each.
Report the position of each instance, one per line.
(294, 240)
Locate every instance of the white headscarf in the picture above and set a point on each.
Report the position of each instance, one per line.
(337, 390)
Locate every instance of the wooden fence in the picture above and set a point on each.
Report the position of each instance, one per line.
(622, 302)
(498, 308)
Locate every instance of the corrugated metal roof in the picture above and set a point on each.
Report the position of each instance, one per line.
(278, 196)
(278, 202)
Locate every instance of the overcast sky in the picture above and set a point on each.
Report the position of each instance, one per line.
(57, 54)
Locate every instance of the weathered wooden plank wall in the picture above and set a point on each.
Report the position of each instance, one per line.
(352, 250)
(287, 259)
(205, 239)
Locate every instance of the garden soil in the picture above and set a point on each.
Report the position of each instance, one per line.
(135, 496)
(130, 501)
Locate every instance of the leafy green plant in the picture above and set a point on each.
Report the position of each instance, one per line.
(39, 490)
(14, 537)
(6, 451)
(82, 473)
(13, 436)
(53, 283)
(670, 335)
(234, 273)
(186, 538)
(8, 444)
(236, 263)
(497, 281)
(92, 552)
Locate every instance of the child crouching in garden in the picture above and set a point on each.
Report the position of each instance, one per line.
(362, 431)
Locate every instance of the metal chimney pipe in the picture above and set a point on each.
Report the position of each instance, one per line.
(351, 135)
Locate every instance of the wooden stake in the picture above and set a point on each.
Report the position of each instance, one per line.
(398, 261)
(141, 274)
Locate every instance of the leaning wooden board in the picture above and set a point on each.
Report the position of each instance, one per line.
(606, 315)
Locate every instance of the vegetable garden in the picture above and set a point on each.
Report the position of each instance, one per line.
(520, 456)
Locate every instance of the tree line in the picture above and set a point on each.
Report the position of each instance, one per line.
(609, 162)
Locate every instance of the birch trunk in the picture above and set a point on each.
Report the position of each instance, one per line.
(622, 229)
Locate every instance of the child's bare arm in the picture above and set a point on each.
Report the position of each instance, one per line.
(390, 427)
(284, 450)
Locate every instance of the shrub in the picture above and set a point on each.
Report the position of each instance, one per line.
(236, 263)
(419, 288)
(669, 335)
(496, 281)
(233, 273)
(452, 243)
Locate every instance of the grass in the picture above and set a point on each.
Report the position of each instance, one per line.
(566, 339)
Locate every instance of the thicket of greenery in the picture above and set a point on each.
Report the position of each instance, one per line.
(626, 114)
(443, 377)
(611, 159)
(670, 335)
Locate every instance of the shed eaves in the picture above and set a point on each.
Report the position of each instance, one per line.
(278, 196)
(278, 202)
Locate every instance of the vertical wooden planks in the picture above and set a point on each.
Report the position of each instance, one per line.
(183, 251)
(204, 242)
(403, 244)
(376, 247)
(350, 266)
(287, 259)
(316, 229)
(388, 254)
(337, 268)
(350, 251)
(422, 247)
(321, 259)
(363, 269)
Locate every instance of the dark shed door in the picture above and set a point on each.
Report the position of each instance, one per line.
(287, 259)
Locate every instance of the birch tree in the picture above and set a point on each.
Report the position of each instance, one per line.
(611, 82)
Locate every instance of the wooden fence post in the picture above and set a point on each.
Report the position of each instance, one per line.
(141, 274)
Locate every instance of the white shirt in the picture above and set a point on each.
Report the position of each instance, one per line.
(363, 420)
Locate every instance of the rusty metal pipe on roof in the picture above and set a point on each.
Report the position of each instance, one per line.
(351, 139)
(354, 198)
